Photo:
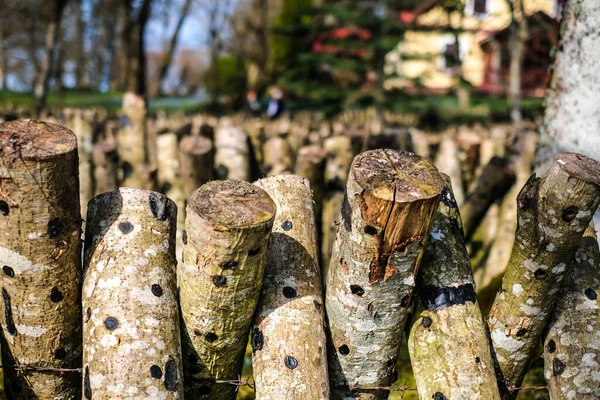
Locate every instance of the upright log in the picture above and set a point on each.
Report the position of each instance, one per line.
(278, 158)
(228, 225)
(447, 162)
(571, 347)
(338, 153)
(552, 214)
(196, 155)
(288, 338)
(391, 200)
(131, 336)
(310, 163)
(40, 254)
(85, 138)
(105, 159)
(232, 158)
(448, 342)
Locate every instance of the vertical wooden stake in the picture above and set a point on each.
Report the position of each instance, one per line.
(40, 257)
(105, 160)
(390, 202)
(232, 158)
(228, 225)
(196, 155)
(278, 158)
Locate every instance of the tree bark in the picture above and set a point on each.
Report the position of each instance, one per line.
(131, 337)
(447, 162)
(571, 346)
(448, 343)
(338, 152)
(84, 131)
(552, 214)
(232, 158)
(195, 162)
(228, 225)
(278, 158)
(495, 180)
(105, 167)
(288, 338)
(391, 200)
(40, 250)
(310, 163)
(517, 43)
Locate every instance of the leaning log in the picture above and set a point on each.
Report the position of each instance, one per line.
(288, 337)
(40, 254)
(391, 200)
(131, 337)
(553, 213)
(228, 225)
(448, 342)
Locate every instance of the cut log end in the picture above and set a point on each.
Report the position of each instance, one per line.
(35, 140)
(196, 145)
(397, 176)
(232, 204)
(579, 166)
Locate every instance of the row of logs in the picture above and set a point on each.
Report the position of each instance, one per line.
(128, 322)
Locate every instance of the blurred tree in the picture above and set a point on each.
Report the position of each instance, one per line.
(231, 78)
(517, 42)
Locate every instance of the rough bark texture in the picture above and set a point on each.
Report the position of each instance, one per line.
(278, 157)
(132, 143)
(390, 202)
(105, 167)
(338, 150)
(288, 338)
(40, 254)
(572, 346)
(572, 117)
(228, 225)
(131, 337)
(448, 343)
(196, 155)
(232, 158)
(552, 214)
(496, 178)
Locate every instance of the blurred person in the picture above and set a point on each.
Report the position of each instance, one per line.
(252, 103)
(276, 104)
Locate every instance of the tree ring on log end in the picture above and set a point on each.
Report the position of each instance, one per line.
(35, 140)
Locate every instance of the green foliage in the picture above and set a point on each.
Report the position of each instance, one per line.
(226, 76)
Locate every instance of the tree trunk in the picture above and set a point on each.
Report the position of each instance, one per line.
(81, 56)
(495, 180)
(338, 153)
(40, 251)
(310, 163)
(552, 214)
(232, 159)
(84, 131)
(195, 162)
(391, 200)
(131, 337)
(571, 368)
(228, 225)
(167, 59)
(288, 339)
(448, 343)
(278, 157)
(447, 162)
(132, 142)
(51, 49)
(105, 167)
(517, 42)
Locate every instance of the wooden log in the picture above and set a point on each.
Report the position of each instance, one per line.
(570, 348)
(448, 342)
(278, 158)
(310, 163)
(339, 155)
(105, 159)
(228, 225)
(552, 214)
(447, 162)
(232, 158)
(83, 129)
(256, 133)
(131, 336)
(40, 254)
(196, 154)
(391, 200)
(132, 143)
(495, 180)
(288, 338)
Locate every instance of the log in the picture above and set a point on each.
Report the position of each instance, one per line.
(40, 254)
(228, 225)
(132, 143)
(310, 164)
(85, 138)
(278, 157)
(232, 157)
(571, 346)
(552, 214)
(448, 342)
(390, 202)
(289, 358)
(105, 160)
(131, 336)
(338, 152)
(447, 162)
(494, 181)
(196, 154)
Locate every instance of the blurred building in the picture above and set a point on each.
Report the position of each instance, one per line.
(443, 46)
